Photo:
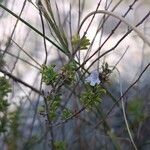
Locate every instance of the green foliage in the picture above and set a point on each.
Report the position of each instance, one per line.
(53, 109)
(92, 96)
(13, 133)
(56, 29)
(3, 123)
(53, 103)
(14, 121)
(68, 72)
(3, 105)
(4, 87)
(66, 113)
(136, 115)
(4, 90)
(79, 43)
(60, 145)
(49, 75)
(54, 106)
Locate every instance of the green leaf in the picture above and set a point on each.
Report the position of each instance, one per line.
(55, 104)
(4, 87)
(49, 75)
(4, 90)
(56, 29)
(135, 110)
(92, 96)
(78, 43)
(60, 145)
(68, 72)
(66, 113)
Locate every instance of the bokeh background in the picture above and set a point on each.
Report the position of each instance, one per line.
(20, 42)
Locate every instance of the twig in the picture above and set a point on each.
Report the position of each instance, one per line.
(15, 26)
(20, 81)
(121, 19)
(26, 53)
(30, 26)
(124, 114)
(43, 28)
(107, 114)
(110, 50)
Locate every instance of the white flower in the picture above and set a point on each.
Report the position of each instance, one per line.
(93, 79)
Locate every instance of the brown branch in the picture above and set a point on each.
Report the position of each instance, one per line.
(20, 81)
(107, 114)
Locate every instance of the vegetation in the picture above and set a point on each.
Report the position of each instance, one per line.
(81, 100)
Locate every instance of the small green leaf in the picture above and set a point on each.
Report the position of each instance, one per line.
(49, 75)
(78, 43)
(92, 96)
(68, 72)
(66, 113)
(4, 90)
(54, 106)
(60, 145)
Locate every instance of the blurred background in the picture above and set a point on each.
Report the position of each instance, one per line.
(24, 54)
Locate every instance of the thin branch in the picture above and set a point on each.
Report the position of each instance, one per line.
(26, 53)
(141, 35)
(15, 26)
(124, 113)
(25, 61)
(113, 48)
(43, 28)
(107, 114)
(30, 26)
(20, 81)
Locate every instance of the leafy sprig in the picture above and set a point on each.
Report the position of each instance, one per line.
(68, 72)
(49, 75)
(78, 43)
(60, 145)
(92, 96)
(4, 90)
